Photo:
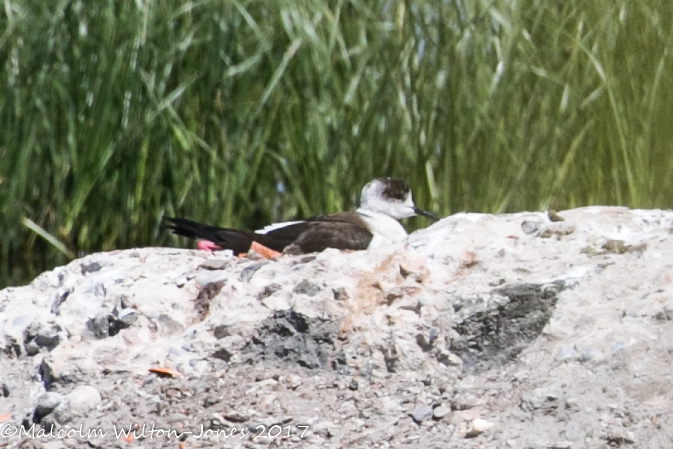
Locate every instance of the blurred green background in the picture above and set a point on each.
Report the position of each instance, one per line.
(237, 113)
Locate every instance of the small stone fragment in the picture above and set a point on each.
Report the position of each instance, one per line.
(249, 271)
(99, 326)
(269, 290)
(340, 294)
(561, 445)
(477, 427)
(83, 399)
(215, 264)
(90, 267)
(47, 403)
(553, 216)
(223, 354)
(237, 417)
(540, 399)
(306, 288)
(48, 337)
(414, 268)
(422, 413)
(295, 381)
(466, 401)
(615, 246)
(572, 405)
(348, 409)
(127, 316)
(441, 411)
(530, 227)
(560, 229)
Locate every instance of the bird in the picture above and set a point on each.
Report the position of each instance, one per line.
(383, 201)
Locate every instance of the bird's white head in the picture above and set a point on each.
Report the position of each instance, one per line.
(391, 197)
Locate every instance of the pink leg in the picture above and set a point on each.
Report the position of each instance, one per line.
(207, 245)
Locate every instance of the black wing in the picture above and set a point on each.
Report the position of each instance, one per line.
(344, 230)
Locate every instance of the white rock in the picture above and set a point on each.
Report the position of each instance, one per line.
(478, 426)
(83, 399)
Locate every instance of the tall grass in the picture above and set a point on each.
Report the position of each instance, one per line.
(239, 112)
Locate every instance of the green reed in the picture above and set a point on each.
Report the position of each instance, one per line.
(239, 112)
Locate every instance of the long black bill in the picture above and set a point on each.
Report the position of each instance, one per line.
(425, 214)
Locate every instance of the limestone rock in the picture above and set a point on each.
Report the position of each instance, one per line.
(547, 328)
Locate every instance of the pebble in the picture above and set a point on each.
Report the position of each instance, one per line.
(529, 226)
(269, 290)
(215, 264)
(47, 403)
(48, 336)
(340, 294)
(307, 288)
(559, 228)
(248, 272)
(477, 427)
(441, 411)
(207, 277)
(83, 399)
(466, 401)
(91, 267)
(127, 316)
(422, 413)
(561, 445)
(348, 409)
(540, 399)
(295, 381)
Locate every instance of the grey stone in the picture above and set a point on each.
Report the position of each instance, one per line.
(99, 326)
(127, 316)
(47, 403)
(204, 278)
(83, 399)
(540, 399)
(48, 336)
(269, 290)
(530, 226)
(422, 413)
(441, 411)
(340, 294)
(249, 271)
(90, 267)
(307, 288)
(216, 264)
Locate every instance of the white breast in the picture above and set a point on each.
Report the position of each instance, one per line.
(386, 230)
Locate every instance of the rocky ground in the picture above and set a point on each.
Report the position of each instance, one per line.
(482, 331)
